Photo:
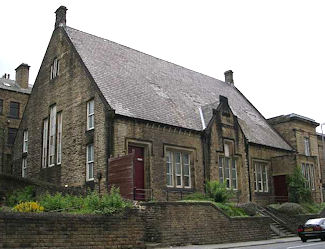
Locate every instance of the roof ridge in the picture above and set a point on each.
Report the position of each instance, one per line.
(148, 55)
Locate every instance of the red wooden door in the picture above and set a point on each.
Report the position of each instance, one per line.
(280, 188)
(138, 172)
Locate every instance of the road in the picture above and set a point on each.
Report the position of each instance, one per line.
(289, 243)
(312, 244)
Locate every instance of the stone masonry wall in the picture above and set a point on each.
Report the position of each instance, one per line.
(69, 91)
(8, 122)
(46, 230)
(156, 139)
(176, 223)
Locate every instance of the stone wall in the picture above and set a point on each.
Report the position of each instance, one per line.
(8, 122)
(176, 223)
(165, 223)
(156, 140)
(69, 91)
(46, 230)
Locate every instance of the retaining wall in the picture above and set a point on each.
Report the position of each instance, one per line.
(177, 223)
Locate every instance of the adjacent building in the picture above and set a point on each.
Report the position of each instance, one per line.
(14, 95)
(102, 113)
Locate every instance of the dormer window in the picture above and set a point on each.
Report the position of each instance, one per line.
(54, 68)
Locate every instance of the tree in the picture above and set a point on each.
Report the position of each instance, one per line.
(298, 192)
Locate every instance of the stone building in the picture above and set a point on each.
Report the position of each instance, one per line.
(300, 133)
(14, 95)
(95, 100)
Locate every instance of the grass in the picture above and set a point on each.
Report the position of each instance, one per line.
(227, 207)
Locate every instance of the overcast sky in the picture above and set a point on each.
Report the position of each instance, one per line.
(275, 48)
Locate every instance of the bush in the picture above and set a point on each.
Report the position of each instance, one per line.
(28, 207)
(298, 192)
(92, 203)
(230, 209)
(291, 208)
(106, 204)
(218, 191)
(25, 195)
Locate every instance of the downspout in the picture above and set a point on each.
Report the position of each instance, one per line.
(248, 169)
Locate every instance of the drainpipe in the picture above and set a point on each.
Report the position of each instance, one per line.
(248, 169)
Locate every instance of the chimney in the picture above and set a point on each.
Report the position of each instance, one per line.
(22, 75)
(229, 77)
(60, 20)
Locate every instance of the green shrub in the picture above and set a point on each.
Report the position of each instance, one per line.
(25, 195)
(291, 208)
(218, 191)
(197, 196)
(59, 202)
(92, 203)
(298, 192)
(231, 209)
(311, 207)
(106, 204)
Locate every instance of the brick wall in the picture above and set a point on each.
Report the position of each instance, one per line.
(176, 223)
(71, 231)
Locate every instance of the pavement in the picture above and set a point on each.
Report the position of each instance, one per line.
(235, 245)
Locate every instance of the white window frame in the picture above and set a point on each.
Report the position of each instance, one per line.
(90, 115)
(25, 142)
(170, 168)
(59, 139)
(172, 156)
(261, 176)
(24, 167)
(307, 146)
(308, 171)
(45, 144)
(90, 161)
(54, 68)
(223, 168)
(52, 138)
(189, 170)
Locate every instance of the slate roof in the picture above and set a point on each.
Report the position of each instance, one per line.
(11, 85)
(141, 86)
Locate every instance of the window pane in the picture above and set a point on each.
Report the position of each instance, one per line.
(234, 174)
(91, 170)
(264, 178)
(259, 177)
(11, 136)
(221, 169)
(14, 110)
(169, 168)
(255, 176)
(45, 136)
(178, 163)
(186, 166)
(227, 172)
(178, 180)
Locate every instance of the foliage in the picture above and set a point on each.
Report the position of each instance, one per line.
(197, 196)
(218, 191)
(106, 204)
(313, 208)
(92, 203)
(28, 207)
(291, 208)
(298, 192)
(230, 209)
(25, 195)
(59, 202)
